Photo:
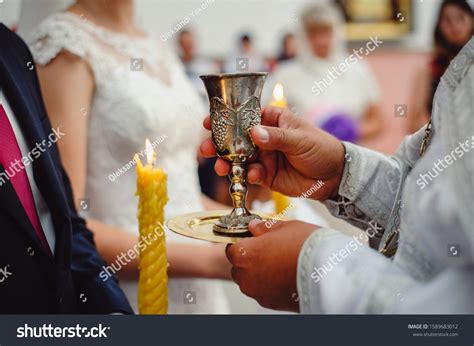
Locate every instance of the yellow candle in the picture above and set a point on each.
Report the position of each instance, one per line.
(281, 201)
(152, 193)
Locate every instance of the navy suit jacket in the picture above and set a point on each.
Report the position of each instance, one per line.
(35, 281)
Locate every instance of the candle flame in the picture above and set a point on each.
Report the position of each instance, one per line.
(150, 153)
(278, 93)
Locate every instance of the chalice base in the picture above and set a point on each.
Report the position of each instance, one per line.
(200, 225)
(235, 223)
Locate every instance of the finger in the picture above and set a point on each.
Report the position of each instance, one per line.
(274, 138)
(270, 115)
(207, 123)
(276, 116)
(256, 173)
(221, 167)
(207, 148)
(258, 227)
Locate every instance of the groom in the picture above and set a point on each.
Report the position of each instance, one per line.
(48, 260)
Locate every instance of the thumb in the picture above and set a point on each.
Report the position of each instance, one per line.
(258, 228)
(273, 138)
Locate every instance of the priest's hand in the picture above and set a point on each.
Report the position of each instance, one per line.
(265, 265)
(294, 157)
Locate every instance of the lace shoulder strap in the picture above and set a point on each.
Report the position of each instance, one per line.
(60, 32)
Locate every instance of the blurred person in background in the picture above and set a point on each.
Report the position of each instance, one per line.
(454, 28)
(345, 103)
(289, 48)
(194, 64)
(245, 58)
(107, 102)
(288, 51)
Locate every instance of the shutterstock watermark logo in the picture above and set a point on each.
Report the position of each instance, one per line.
(5, 273)
(17, 165)
(126, 257)
(337, 257)
(441, 164)
(336, 71)
(242, 64)
(48, 331)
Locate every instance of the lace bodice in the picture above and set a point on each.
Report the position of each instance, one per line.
(141, 92)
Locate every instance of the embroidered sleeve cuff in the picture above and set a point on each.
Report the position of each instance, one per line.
(363, 192)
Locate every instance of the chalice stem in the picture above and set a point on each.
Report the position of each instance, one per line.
(237, 221)
(238, 186)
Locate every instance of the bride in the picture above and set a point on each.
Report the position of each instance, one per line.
(108, 85)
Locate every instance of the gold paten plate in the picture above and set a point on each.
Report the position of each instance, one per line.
(199, 226)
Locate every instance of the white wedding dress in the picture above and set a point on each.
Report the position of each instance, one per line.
(133, 100)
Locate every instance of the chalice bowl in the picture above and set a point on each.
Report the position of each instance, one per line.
(234, 109)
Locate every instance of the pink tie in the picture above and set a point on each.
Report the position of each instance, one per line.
(9, 152)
